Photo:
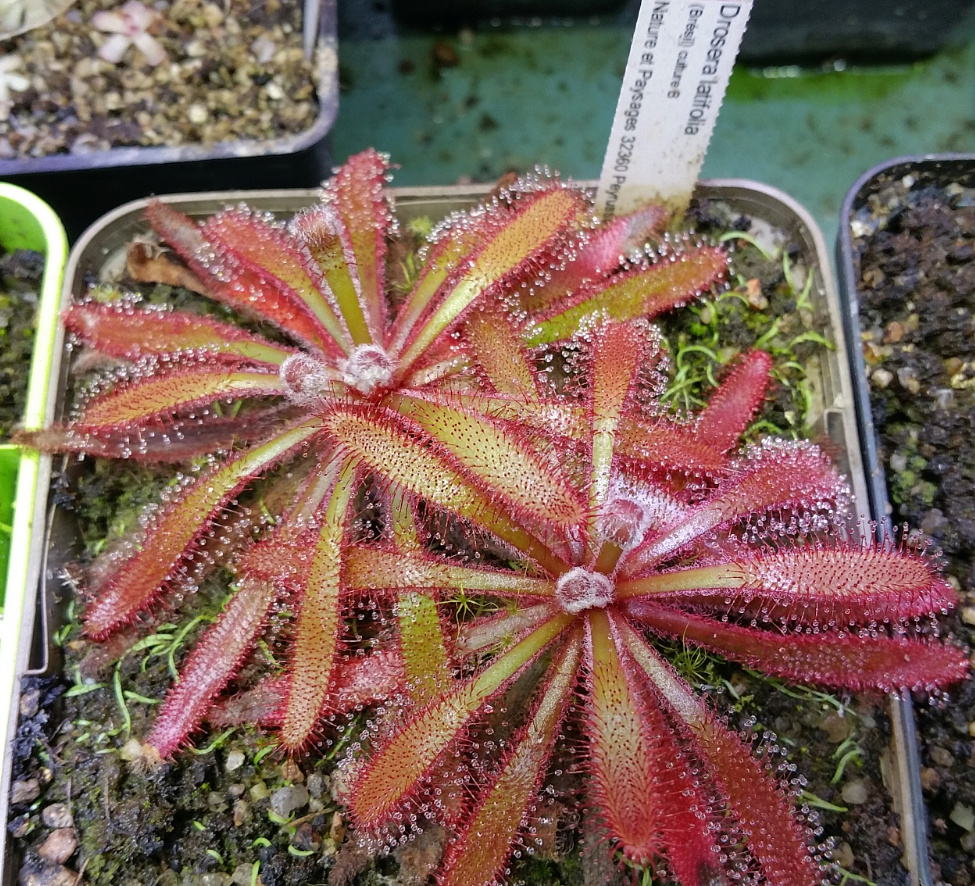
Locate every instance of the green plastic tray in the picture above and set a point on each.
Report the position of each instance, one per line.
(26, 222)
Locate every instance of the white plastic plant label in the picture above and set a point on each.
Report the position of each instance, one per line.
(678, 69)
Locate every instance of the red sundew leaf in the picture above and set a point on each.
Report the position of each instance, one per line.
(374, 568)
(686, 819)
(619, 352)
(460, 237)
(621, 760)
(763, 811)
(327, 242)
(500, 459)
(319, 620)
(598, 253)
(762, 808)
(500, 359)
(665, 446)
(808, 586)
(177, 528)
(531, 231)
(644, 292)
(732, 406)
(215, 658)
(281, 559)
(500, 628)
(356, 194)
(779, 475)
(372, 678)
(180, 440)
(837, 659)
(128, 333)
(383, 442)
(426, 661)
(240, 288)
(399, 763)
(260, 705)
(358, 682)
(267, 250)
(154, 398)
(486, 841)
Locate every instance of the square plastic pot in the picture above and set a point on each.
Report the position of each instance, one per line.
(83, 187)
(857, 218)
(776, 220)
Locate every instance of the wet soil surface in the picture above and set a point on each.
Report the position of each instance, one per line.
(914, 248)
(235, 813)
(20, 287)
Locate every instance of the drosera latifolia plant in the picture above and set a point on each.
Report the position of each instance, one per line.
(465, 501)
(234, 406)
(741, 554)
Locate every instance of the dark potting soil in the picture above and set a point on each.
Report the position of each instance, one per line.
(20, 286)
(235, 813)
(914, 249)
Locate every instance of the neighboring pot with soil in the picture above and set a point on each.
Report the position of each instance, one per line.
(907, 239)
(117, 99)
(233, 811)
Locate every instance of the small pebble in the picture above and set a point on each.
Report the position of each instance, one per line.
(893, 333)
(243, 874)
(29, 702)
(306, 837)
(242, 813)
(291, 771)
(953, 365)
(57, 815)
(59, 845)
(963, 816)
(48, 874)
(843, 855)
(837, 728)
(25, 791)
(288, 799)
(881, 378)
(930, 779)
(235, 759)
(942, 756)
(337, 829)
(259, 791)
(968, 615)
(316, 785)
(20, 826)
(855, 792)
(908, 380)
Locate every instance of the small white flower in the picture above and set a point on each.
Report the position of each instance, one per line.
(10, 81)
(129, 26)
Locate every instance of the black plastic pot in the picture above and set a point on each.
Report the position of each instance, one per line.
(856, 220)
(83, 187)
